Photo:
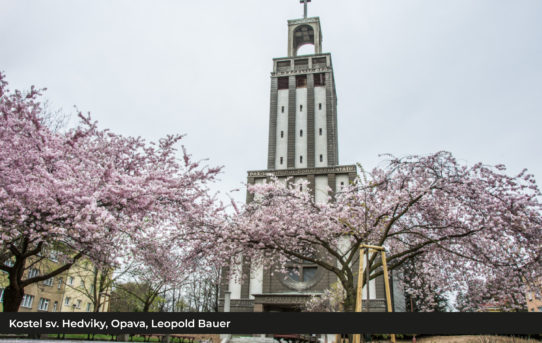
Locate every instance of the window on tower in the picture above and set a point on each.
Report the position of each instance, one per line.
(282, 109)
(300, 133)
(320, 131)
(281, 134)
(281, 160)
(319, 62)
(283, 65)
(320, 106)
(319, 79)
(301, 81)
(321, 158)
(283, 83)
(301, 64)
(300, 159)
(300, 108)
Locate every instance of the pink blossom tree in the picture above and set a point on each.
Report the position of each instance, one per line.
(87, 192)
(457, 222)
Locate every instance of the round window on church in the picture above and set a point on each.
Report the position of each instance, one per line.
(301, 275)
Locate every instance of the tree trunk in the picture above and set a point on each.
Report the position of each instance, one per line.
(350, 300)
(147, 306)
(13, 296)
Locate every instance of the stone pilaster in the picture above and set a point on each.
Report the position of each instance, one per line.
(310, 120)
(291, 122)
(272, 147)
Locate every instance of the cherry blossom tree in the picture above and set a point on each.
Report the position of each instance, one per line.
(458, 223)
(88, 192)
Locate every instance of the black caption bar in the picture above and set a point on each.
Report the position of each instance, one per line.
(262, 323)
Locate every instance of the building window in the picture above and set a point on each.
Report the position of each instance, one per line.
(300, 159)
(67, 301)
(283, 83)
(33, 272)
(320, 106)
(300, 108)
(281, 134)
(283, 65)
(321, 158)
(319, 79)
(78, 303)
(59, 282)
(300, 133)
(43, 304)
(301, 81)
(48, 282)
(9, 263)
(281, 160)
(282, 109)
(70, 280)
(55, 306)
(88, 307)
(320, 131)
(302, 273)
(27, 301)
(1, 295)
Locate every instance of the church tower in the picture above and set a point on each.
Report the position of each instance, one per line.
(303, 145)
(303, 115)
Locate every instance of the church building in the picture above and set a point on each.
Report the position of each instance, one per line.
(303, 145)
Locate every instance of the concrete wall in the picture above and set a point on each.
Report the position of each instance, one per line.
(301, 157)
(320, 123)
(341, 181)
(235, 281)
(282, 129)
(256, 280)
(321, 186)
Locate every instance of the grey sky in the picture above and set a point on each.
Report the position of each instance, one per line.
(413, 76)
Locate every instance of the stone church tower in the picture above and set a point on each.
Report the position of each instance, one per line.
(303, 145)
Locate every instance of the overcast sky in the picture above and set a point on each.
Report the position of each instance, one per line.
(413, 76)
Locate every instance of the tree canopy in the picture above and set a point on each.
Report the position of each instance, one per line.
(458, 223)
(89, 192)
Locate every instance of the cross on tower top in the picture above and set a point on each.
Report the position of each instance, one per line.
(305, 2)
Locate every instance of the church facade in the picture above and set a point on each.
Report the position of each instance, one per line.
(302, 145)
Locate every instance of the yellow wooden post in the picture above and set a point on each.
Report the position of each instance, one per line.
(357, 336)
(387, 284)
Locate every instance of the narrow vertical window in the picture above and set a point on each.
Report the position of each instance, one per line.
(282, 109)
(301, 188)
(281, 159)
(320, 131)
(321, 158)
(300, 133)
(300, 108)
(320, 106)
(300, 159)
(281, 134)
